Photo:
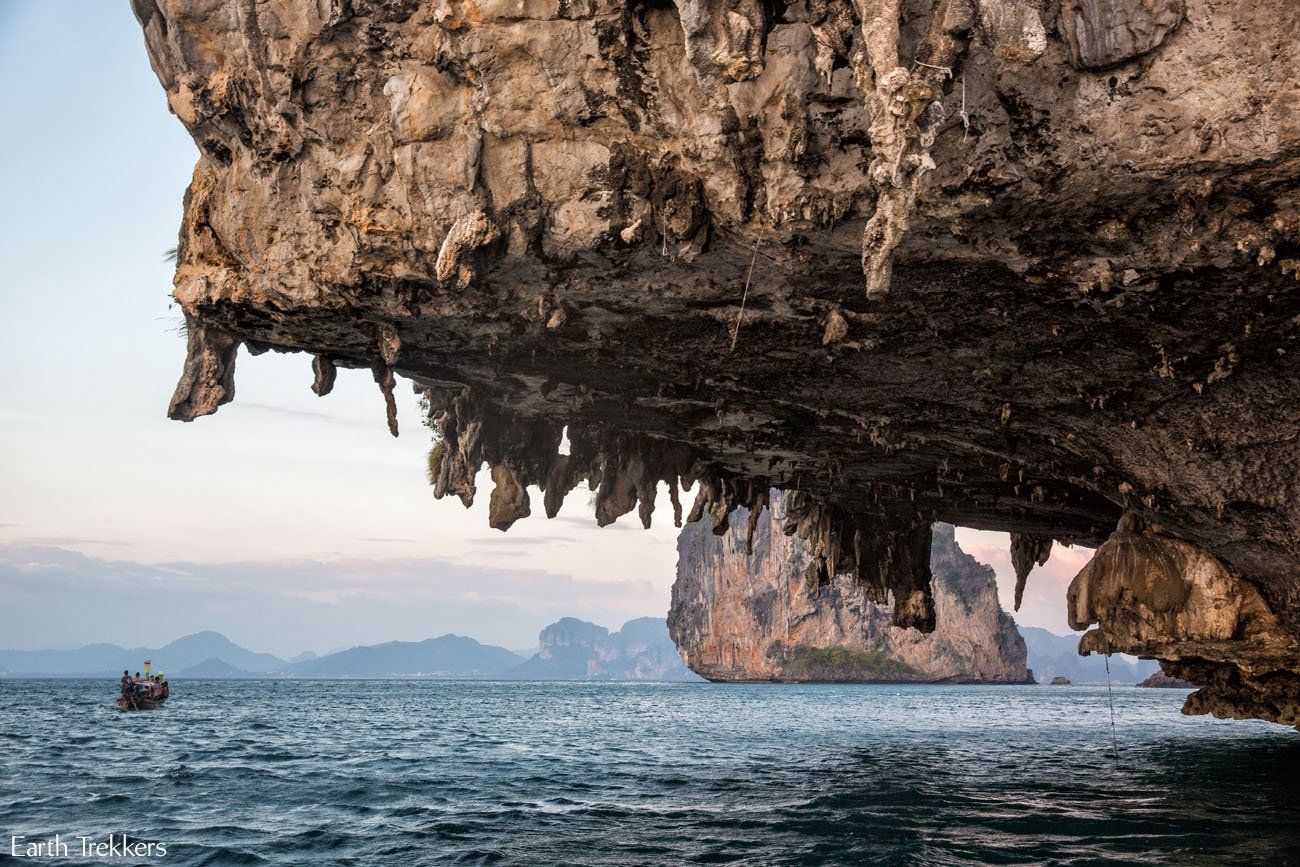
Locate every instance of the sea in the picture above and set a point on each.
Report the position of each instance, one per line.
(409, 772)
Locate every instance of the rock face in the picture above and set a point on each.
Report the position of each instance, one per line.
(1017, 265)
(572, 649)
(1105, 33)
(738, 616)
(1161, 680)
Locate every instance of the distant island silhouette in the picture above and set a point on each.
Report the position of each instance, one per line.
(569, 649)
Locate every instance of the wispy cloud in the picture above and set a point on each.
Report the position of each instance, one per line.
(288, 605)
(522, 541)
(304, 414)
(69, 542)
(628, 522)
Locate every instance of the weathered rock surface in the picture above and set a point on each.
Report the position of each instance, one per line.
(738, 616)
(1104, 33)
(917, 259)
(1157, 596)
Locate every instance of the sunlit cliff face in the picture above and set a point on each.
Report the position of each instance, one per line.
(1015, 266)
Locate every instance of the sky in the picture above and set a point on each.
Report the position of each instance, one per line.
(286, 521)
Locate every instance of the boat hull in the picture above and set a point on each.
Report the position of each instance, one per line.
(139, 703)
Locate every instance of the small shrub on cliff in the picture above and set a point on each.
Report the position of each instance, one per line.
(841, 663)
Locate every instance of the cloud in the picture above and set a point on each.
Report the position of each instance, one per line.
(303, 414)
(69, 541)
(521, 541)
(587, 522)
(285, 606)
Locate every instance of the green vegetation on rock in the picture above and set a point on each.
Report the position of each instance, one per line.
(841, 663)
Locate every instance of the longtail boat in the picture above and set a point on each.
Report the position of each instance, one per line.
(140, 701)
(143, 695)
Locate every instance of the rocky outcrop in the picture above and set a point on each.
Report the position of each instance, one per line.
(1021, 266)
(753, 616)
(1157, 596)
(1161, 680)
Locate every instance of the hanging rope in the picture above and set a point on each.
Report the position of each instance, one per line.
(1114, 743)
(735, 332)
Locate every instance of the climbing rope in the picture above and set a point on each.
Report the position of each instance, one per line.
(1114, 743)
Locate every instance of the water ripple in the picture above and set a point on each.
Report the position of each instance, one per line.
(337, 773)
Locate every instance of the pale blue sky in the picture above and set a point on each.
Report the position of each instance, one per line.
(280, 483)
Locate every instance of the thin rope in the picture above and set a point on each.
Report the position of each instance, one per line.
(1114, 744)
(740, 317)
(946, 70)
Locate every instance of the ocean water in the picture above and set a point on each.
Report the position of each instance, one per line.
(424, 772)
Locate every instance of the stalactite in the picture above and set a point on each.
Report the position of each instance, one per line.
(208, 379)
(509, 500)
(888, 553)
(323, 375)
(383, 374)
(1027, 551)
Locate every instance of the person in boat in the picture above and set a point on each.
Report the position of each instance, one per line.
(125, 683)
(165, 689)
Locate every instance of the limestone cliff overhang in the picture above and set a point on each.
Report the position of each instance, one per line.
(1013, 265)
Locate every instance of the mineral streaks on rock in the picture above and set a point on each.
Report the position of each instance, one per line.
(1091, 275)
(1104, 33)
(1013, 29)
(454, 267)
(1160, 597)
(738, 616)
(906, 113)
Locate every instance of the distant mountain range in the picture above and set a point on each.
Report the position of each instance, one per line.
(98, 660)
(569, 649)
(1052, 655)
(445, 656)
